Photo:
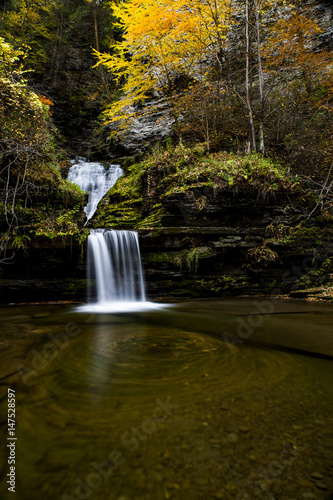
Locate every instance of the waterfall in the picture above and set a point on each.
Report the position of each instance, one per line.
(114, 261)
(114, 271)
(94, 178)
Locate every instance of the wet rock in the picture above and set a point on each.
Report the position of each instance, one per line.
(321, 486)
(230, 487)
(232, 437)
(215, 441)
(304, 483)
(141, 482)
(186, 484)
(19, 317)
(145, 130)
(317, 475)
(173, 486)
(202, 481)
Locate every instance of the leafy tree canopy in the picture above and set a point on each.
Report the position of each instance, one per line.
(162, 40)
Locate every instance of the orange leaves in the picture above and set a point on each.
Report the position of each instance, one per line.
(290, 42)
(45, 100)
(291, 49)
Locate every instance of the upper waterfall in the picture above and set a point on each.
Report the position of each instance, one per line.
(94, 178)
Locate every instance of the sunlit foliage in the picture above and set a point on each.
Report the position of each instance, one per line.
(164, 40)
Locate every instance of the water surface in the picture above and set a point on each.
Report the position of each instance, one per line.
(162, 404)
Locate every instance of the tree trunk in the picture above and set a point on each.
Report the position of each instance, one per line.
(100, 67)
(55, 62)
(247, 83)
(96, 28)
(261, 83)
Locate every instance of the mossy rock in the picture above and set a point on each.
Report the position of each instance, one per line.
(142, 195)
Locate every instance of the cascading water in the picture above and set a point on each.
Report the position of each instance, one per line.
(115, 276)
(94, 178)
(114, 261)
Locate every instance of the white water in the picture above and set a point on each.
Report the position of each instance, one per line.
(114, 264)
(94, 178)
(114, 261)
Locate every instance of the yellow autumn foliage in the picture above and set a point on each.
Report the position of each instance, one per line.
(163, 39)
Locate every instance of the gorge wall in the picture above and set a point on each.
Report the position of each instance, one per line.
(199, 242)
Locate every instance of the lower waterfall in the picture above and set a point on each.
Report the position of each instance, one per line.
(115, 275)
(114, 262)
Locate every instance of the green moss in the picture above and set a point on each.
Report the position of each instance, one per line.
(154, 219)
(224, 171)
(122, 208)
(147, 185)
(207, 287)
(310, 233)
(316, 277)
(190, 258)
(160, 258)
(54, 210)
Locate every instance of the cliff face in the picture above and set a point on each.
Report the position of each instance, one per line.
(155, 118)
(215, 224)
(324, 14)
(44, 273)
(145, 131)
(203, 242)
(208, 224)
(262, 252)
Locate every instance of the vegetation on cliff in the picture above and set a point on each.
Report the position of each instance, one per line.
(241, 75)
(140, 198)
(35, 199)
(247, 85)
(214, 204)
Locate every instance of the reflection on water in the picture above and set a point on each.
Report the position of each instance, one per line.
(155, 405)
